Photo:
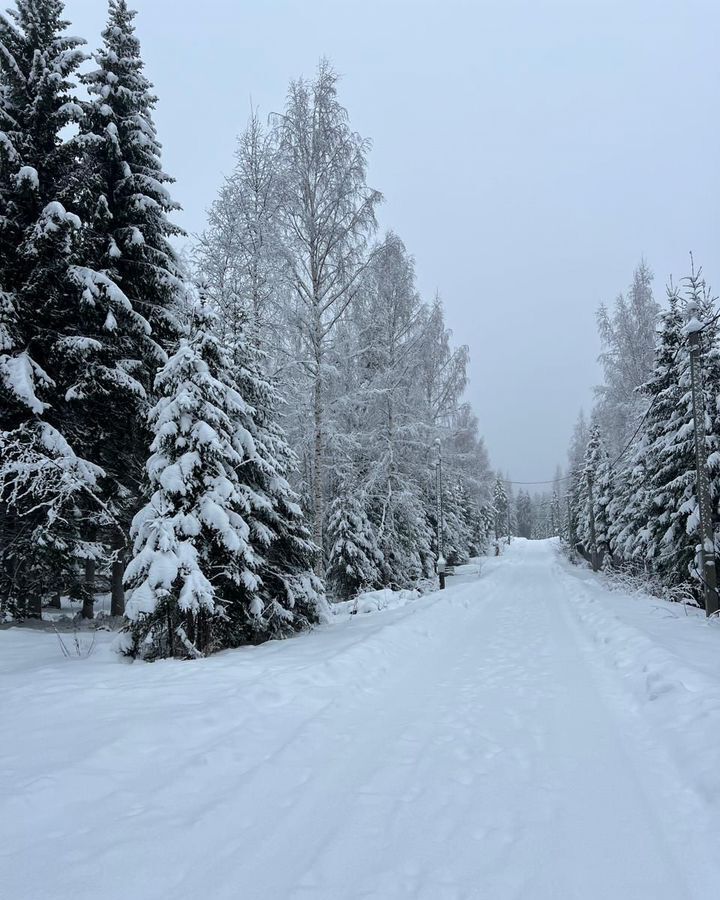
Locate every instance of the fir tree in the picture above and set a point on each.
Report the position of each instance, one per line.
(193, 556)
(500, 503)
(355, 561)
(555, 515)
(457, 534)
(633, 506)
(673, 526)
(525, 515)
(404, 538)
(221, 555)
(134, 203)
(48, 490)
(292, 595)
(126, 205)
(594, 497)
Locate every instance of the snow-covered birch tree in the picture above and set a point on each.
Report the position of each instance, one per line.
(326, 217)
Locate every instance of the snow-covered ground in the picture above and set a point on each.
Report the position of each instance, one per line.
(526, 734)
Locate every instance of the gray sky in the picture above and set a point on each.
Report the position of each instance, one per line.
(530, 152)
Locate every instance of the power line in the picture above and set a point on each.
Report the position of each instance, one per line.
(551, 481)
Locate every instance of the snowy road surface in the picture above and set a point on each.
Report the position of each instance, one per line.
(526, 734)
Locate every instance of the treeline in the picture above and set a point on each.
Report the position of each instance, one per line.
(522, 514)
(372, 384)
(170, 429)
(632, 474)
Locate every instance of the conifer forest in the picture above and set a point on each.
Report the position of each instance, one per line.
(280, 615)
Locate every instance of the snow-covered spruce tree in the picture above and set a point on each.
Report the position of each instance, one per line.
(355, 561)
(125, 154)
(457, 534)
(203, 576)
(633, 505)
(405, 539)
(555, 515)
(525, 515)
(126, 204)
(48, 490)
(485, 529)
(673, 519)
(576, 463)
(468, 467)
(291, 594)
(595, 481)
(500, 504)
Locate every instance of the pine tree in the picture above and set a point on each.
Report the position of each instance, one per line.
(355, 560)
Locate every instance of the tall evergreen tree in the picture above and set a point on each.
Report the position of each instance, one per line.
(525, 515)
(48, 489)
(500, 503)
(292, 595)
(634, 505)
(594, 497)
(134, 203)
(355, 561)
(555, 515)
(127, 205)
(673, 528)
(221, 555)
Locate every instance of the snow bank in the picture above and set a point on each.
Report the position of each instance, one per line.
(375, 601)
(667, 657)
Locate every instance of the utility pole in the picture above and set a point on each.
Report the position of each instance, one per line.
(571, 536)
(509, 529)
(693, 330)
(440, 511)
(593, 533)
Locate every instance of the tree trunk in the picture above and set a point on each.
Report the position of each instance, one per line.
(117, 570)
(318, 499)
(117, 589)
(88, 607)
(33, 609)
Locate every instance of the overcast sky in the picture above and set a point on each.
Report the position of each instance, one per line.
(530, 152)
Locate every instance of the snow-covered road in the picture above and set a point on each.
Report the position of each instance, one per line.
(526, 734)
